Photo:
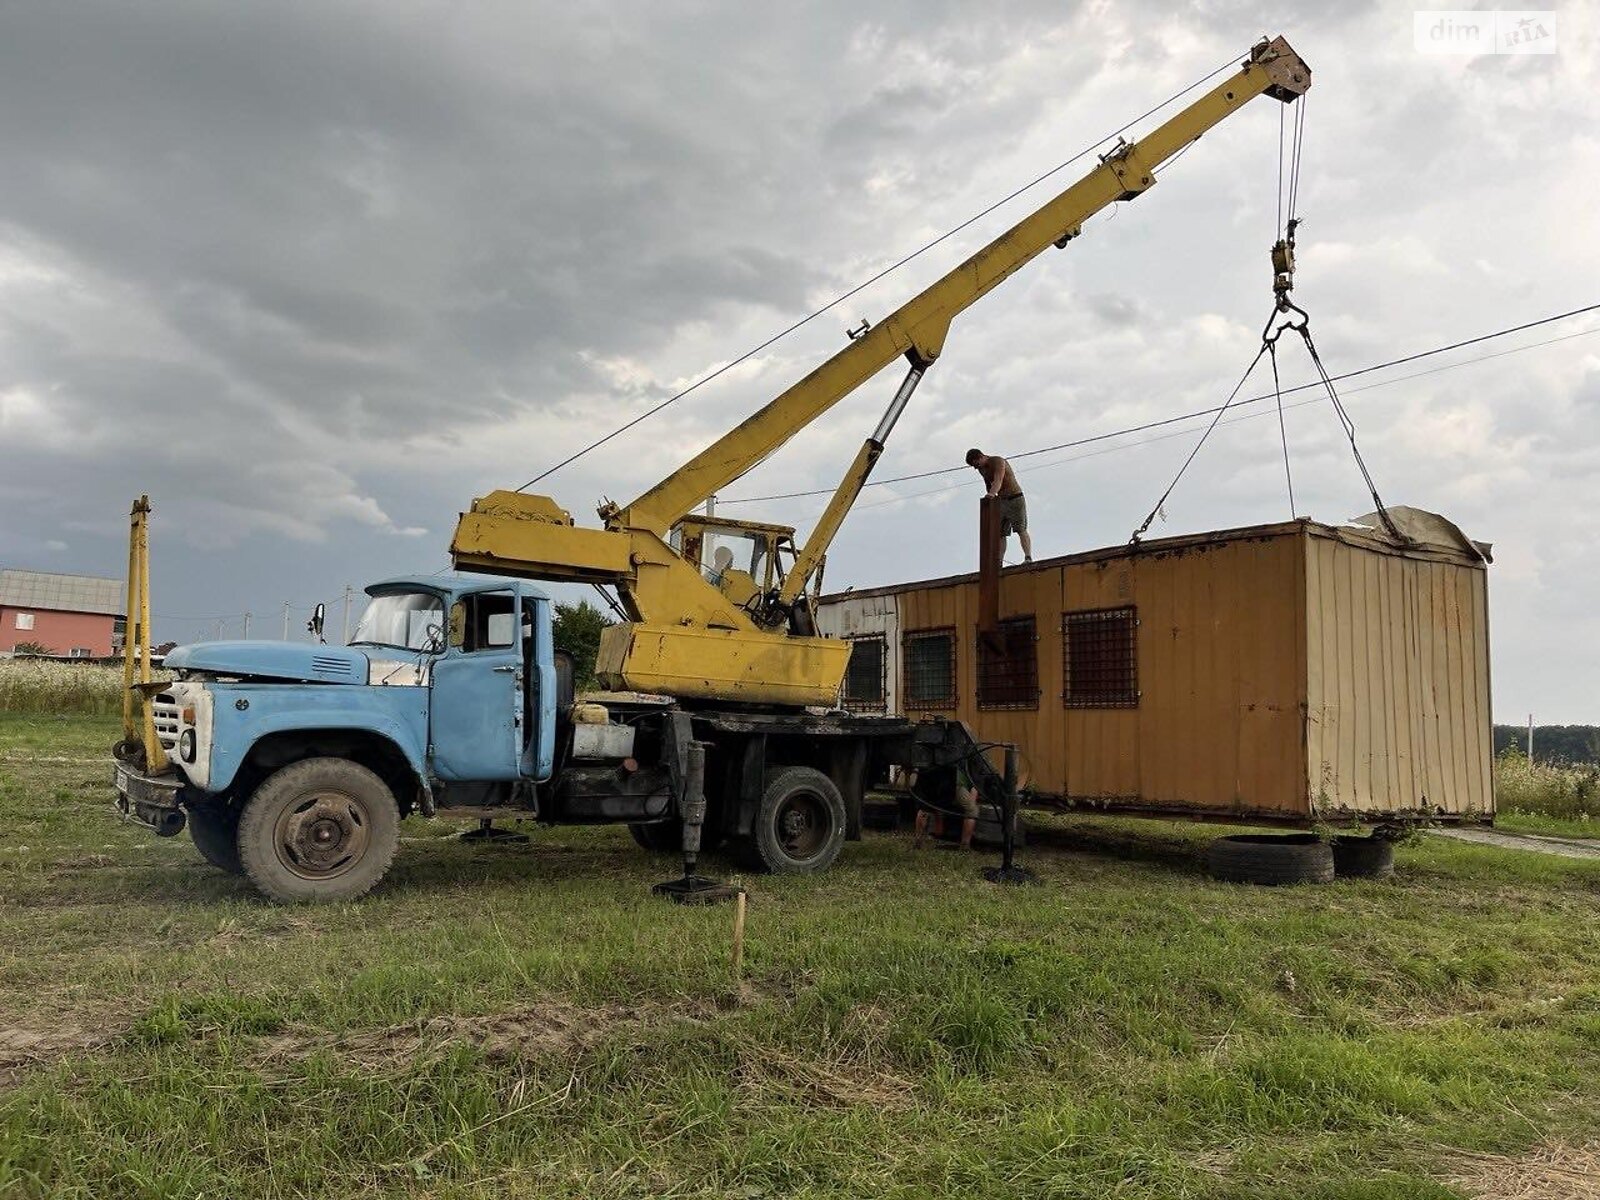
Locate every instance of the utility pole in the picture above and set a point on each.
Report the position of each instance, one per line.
(286, 620)
(1530, 739)
(218, 636)
(247, 627)
(347, 592)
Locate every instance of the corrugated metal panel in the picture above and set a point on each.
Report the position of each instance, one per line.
(850, 616)
(1397, 681)
(62, 593)
(1219, 718)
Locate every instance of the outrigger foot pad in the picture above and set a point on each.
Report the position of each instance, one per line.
(1011, 875)
(486, 832)
(697, 889)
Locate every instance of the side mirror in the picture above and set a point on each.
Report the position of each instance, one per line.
(458, 624)
(314, 626)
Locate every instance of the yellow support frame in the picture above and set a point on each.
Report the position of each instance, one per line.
(138, 722)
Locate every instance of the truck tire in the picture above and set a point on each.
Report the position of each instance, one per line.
(215, 833)
(1270, 859)
(319, 829)
(1363, 857)
(799, 825)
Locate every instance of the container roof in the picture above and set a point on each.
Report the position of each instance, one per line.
(62, 593)
(1356, 534)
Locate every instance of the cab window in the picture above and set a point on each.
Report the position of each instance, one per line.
(490, 621)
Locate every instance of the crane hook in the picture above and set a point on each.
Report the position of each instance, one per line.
(1283, 266)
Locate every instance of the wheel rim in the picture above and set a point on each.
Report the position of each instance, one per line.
(803, 825)
(322, 835)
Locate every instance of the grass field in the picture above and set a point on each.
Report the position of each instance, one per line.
(527, 1021)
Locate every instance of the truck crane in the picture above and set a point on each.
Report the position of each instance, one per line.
(293, 764)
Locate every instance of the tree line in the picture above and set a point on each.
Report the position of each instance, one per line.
(1552, 743)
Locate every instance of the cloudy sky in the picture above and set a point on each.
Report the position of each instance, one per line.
(315, 275)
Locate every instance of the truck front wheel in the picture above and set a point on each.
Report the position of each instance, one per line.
(799, 824)
(215, 832)
(319, 829)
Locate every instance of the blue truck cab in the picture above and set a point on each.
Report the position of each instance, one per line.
(294, 763)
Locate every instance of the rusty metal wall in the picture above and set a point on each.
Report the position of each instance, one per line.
(1220, 660)
(1397, 680)
(1289, 672)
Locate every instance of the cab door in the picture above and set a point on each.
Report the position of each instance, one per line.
(476, 706)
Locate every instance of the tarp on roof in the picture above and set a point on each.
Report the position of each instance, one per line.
(1425, 528)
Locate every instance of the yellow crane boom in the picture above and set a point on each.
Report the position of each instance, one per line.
(698, 631)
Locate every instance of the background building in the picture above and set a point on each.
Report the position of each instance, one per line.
(75, 616)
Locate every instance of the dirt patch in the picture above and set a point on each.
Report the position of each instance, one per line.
(1554, 1171)
(840, 1084)
(550, 1029)
(554, 1029)
(22, 1048)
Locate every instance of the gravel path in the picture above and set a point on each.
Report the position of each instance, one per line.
(1538, 843)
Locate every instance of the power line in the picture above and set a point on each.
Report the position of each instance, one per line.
(1207, 412)
(861, 287)
(1177, 433)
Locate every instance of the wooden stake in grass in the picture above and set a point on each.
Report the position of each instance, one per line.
(738, 936)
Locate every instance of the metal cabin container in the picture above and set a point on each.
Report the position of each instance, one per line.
(1286, 673)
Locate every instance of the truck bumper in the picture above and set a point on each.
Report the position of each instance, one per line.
(151, 800)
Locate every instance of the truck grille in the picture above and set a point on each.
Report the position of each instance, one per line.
(164, 710)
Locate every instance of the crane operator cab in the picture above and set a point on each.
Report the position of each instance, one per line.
(745, 560)
(738, 586)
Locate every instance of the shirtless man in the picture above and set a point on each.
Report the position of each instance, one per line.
(1001, 481)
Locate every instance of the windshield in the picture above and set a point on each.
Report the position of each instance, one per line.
(401, 619)
(723, 551)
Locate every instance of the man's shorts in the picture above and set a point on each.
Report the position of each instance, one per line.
(1013, 514)
(966, 800)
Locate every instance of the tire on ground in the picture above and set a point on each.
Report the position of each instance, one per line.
(1363, 857)
(319, 829)
(1270, 859)
(799, 824)
(215, 832)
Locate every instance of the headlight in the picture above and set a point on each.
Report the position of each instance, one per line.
(186, 745)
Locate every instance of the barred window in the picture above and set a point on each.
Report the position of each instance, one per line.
(864, 679)
(930, 658)
(1100, 661)
(1008, 666)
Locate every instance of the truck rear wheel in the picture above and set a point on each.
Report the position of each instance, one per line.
(320, 829)
(215, 832)
(799, 823)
